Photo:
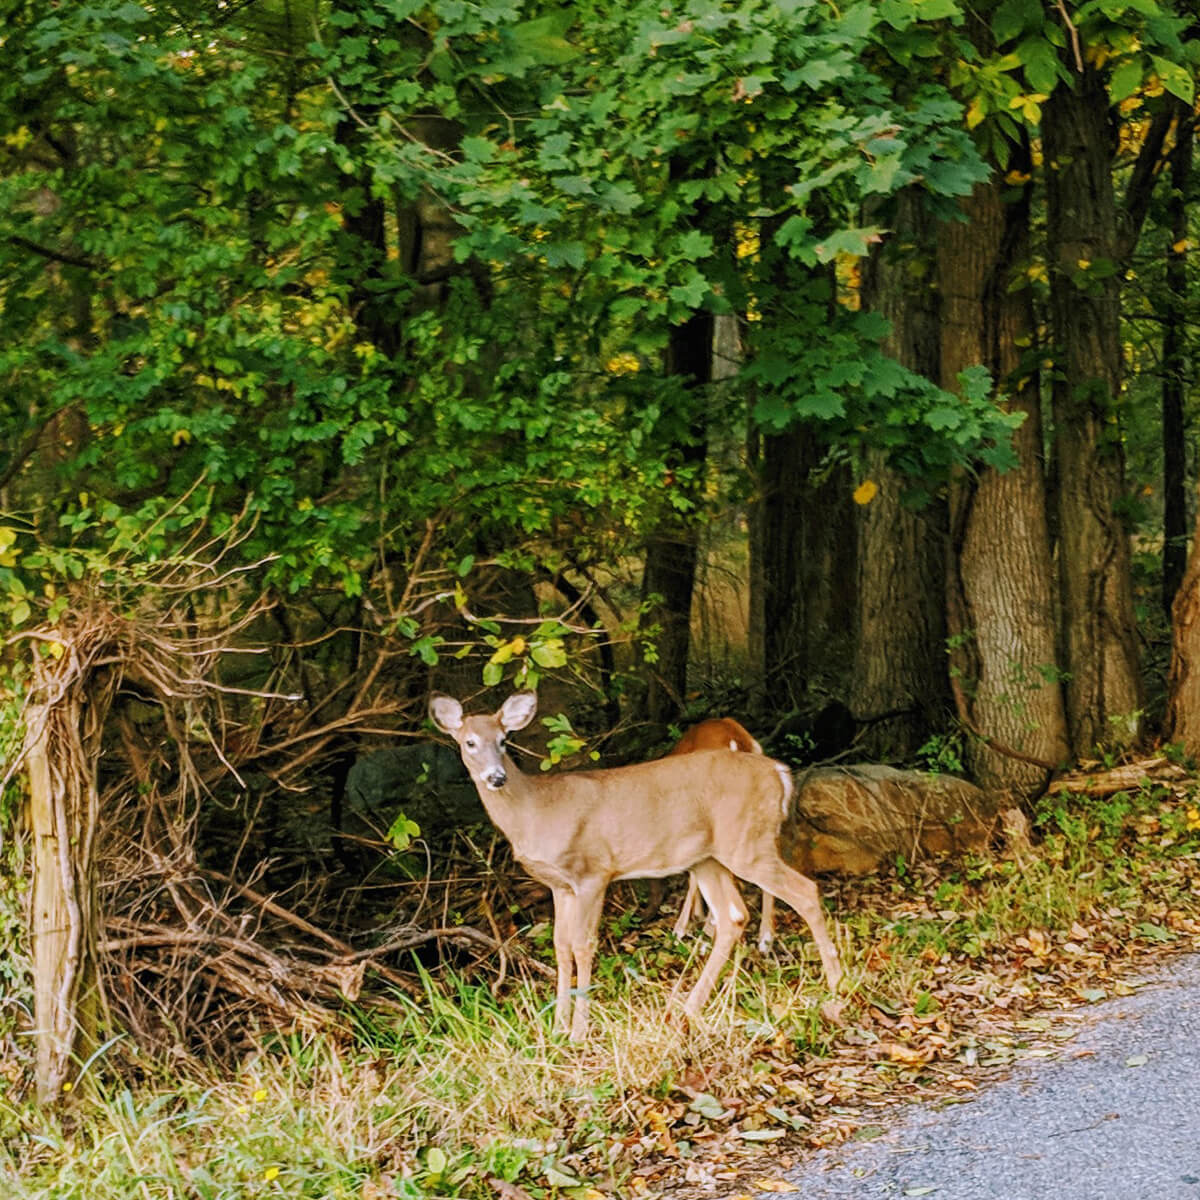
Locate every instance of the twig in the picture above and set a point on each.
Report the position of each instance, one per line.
(1062, 8)
(419, 937)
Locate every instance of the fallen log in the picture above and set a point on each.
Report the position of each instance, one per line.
(1126, 777)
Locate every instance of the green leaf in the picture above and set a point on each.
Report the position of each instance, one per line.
(1176, 79)
(1040, 60)
(1125, 80)
(550, 654)
(1014, 17)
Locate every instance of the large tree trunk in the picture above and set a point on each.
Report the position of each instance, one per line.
(1183, 682)
(1175, 361)
(900, 651)
(1104, 688)
(1000, 590)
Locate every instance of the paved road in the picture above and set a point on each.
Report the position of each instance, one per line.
(1122, 1123)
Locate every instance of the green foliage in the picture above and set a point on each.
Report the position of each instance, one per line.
(213, 312)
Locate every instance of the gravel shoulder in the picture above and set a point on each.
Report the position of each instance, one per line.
(1116, 1116)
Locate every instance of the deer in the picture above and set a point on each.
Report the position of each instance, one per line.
(716, 733)
(715, 813)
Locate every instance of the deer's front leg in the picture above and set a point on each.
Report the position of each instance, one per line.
(589, 905)
(564, 920)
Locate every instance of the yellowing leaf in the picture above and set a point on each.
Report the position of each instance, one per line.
(1084, 263)
(975, 113)
(1180, 246)
(781, 1187)
(865, 492)
(623, 364)
(181, 435)
(56, 649)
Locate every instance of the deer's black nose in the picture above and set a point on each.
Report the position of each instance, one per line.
(496, 779)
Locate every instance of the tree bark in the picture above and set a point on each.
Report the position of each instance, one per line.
(900, 627)
(672, 549)
(61, 751)
(1182, 723)
(1175, 363)
(1100, 648)
(1000, 580)
(803, 536)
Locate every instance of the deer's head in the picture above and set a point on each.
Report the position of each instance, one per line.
(481, 738)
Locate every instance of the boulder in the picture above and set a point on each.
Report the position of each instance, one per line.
(853, 819)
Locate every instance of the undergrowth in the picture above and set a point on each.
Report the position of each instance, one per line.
(466, 1093)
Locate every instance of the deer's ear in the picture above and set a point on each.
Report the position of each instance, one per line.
(446, 713)
(517, 711)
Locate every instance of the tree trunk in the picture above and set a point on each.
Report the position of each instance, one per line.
(900, 628)
(672, 548)
(1000, 583)
(1104, 688)
(803, 535)
(62, 747)
(1175, 362)
(1183, 681)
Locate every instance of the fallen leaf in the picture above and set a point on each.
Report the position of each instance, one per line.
(506, 1190)
(1137, 1060)
(778, 1186)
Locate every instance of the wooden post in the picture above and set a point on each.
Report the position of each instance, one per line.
(55, 923)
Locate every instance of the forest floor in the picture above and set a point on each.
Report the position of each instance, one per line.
(955, 970)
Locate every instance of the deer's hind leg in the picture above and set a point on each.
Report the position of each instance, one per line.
(728, 910)
(775, 876)
(766, 927)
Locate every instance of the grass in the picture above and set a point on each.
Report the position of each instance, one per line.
(947, 963)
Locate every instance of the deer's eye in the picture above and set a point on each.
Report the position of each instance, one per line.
(470, 743)
(502, 744)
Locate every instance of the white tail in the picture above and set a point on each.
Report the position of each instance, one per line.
(715, 813)
(721, 733)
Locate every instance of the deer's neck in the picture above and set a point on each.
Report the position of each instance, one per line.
(517, 808)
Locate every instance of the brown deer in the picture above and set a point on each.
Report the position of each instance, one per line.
(716, 733)
(714, 813)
